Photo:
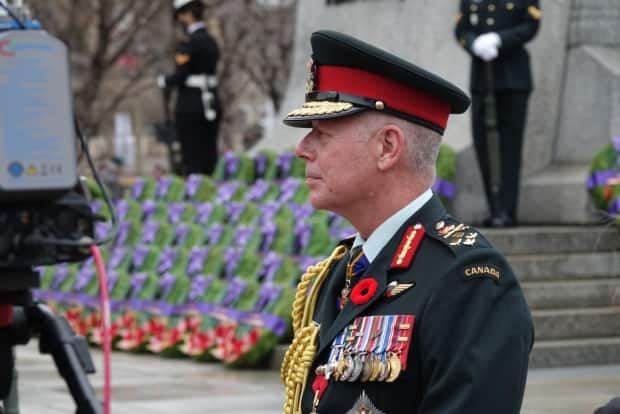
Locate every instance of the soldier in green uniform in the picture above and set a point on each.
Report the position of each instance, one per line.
(418, 313)
(198, 112)
(494, 33)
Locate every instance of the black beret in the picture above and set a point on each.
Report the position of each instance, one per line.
(347, 75)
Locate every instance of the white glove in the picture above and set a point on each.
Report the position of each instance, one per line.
(492, 38)
(485, 46)
(161, 81)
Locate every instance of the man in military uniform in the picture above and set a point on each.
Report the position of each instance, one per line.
(494, 32)
(418, 313)
(198, 110)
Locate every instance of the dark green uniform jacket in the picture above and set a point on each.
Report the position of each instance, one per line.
(471, 335)
(516, 22)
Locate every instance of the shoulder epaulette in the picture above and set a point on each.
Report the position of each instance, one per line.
(456, 234)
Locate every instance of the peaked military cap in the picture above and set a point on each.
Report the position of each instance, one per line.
(347, 76)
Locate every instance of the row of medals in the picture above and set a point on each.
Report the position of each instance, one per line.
(363, 367)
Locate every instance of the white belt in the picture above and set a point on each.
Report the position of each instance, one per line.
(201, 81)
(204, 83)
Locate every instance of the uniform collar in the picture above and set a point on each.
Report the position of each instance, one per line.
(382, 234)
(195, 26)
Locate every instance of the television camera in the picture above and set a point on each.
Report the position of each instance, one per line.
(45, 217)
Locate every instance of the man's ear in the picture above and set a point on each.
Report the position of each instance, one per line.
(391, 146)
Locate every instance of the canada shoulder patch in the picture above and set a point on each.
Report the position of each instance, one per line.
(482, 270)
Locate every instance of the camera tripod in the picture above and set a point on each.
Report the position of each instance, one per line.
(19, 317)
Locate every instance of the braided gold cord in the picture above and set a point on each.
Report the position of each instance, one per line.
(300, 354)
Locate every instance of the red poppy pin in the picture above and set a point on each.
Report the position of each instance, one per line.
(364, 291)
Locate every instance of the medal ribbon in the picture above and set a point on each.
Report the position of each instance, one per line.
(362, 326)
(386, 336)
(401, 348)
(376, 324)
(336, 347)
(365, 330)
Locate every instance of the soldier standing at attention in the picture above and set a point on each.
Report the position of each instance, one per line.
(494, 33)
(198, 113)
(418, 313)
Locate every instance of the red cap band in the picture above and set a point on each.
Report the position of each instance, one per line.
(394, 95)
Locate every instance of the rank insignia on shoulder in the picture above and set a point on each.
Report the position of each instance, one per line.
(372, 348)
(181, 58)
(408, 247)
(394, 288)
(364, 406)
(473, 271)
(456, 234)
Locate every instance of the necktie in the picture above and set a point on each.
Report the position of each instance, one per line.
(357, 265)
(358, 261)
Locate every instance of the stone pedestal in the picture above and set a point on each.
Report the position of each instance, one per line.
(591, 103)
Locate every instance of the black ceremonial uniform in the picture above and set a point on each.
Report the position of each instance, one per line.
(516, 22)
(469, 337)
(198, 110)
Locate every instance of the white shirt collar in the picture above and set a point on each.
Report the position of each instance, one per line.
(195, 26)
(382, 234)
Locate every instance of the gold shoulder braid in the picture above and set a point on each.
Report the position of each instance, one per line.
(300, 354)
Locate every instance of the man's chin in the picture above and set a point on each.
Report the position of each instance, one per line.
(322, 203)
(318, 202)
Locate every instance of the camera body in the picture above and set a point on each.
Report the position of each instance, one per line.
(45, 217)
(35, 234)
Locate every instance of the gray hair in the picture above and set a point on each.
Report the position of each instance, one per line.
(422, 150)
(422, 143)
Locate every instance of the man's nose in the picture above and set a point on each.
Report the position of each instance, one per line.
(302, 149)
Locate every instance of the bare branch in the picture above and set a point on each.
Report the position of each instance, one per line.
(130, 36)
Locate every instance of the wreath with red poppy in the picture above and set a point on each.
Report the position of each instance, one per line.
(363, 291)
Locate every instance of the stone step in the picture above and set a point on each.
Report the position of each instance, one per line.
(572, 352)
(566, 266)
(576, 323)
(555, 239)
(572, 294)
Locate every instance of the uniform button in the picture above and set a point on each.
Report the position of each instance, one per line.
(491, 7)
(510, 6)
(490, 21)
